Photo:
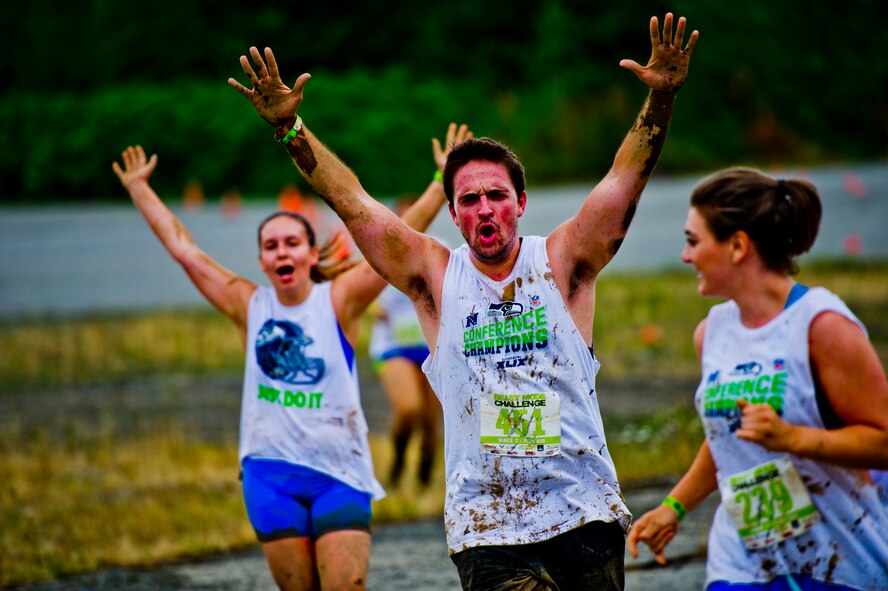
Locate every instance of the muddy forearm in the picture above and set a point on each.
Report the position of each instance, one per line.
(331, 179)
(646, 139)
(376, 230)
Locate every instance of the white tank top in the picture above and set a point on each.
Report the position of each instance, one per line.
(301, 401)
(399, 329)
(849, 545)
(513, 375)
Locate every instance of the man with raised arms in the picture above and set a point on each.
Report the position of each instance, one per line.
(532, 493)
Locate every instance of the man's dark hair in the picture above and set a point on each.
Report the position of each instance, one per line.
(484, 149)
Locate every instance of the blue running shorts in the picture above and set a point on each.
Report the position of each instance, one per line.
(284, 500)
(416, 354)
(792, 582)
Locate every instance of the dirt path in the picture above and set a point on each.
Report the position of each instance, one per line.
(405, 557)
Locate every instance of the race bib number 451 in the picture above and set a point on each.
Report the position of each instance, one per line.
(521, 424)
(768, 503)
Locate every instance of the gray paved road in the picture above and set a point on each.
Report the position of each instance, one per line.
(68, 260)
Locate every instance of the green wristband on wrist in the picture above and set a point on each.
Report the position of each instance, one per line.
(676, 506)
(438, 176)
(292, 133)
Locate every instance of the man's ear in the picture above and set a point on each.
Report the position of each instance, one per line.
(452, 213)
(522, 203)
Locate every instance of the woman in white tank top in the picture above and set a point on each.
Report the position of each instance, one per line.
(793, 399)
(299, 337)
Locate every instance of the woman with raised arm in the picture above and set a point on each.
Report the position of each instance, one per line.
(307, 472)
(793, 399)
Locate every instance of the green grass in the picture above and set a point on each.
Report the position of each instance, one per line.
(644, 323)
(49, 352)
(654, 447)
(101, 501)
(94, 501)
(77, 495)
(643, 326)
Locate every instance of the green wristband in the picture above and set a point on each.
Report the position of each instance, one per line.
(438, 176)
(292, 133)
(676, 506)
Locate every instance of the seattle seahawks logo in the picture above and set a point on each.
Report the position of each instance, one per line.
(280, 353)
(505, 309)
(749, 368)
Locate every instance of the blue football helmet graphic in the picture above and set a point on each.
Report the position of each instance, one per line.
(280, 352)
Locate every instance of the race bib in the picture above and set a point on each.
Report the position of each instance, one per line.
(768, 503)
(521, 424)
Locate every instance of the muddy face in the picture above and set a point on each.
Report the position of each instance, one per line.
(486, 210)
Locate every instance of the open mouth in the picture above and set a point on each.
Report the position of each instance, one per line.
(487, 231)
(284, 270)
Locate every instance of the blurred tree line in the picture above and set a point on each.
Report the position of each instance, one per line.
(773, 83)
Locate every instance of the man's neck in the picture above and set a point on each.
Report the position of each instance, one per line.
(501, 269)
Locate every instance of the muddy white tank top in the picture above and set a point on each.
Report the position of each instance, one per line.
(301, 401)
(525, 450)
(775, 496)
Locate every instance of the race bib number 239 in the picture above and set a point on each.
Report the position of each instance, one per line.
(768, 503)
